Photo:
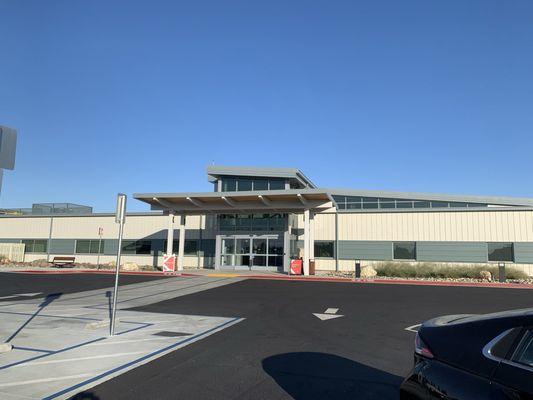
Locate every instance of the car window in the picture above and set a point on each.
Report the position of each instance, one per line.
(504, 342)
(524, 352)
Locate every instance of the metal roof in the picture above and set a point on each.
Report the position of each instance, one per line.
(214, 172)
(493, 200)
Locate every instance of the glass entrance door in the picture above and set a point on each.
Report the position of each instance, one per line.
(242, 251)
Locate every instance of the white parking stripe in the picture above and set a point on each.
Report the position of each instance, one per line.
(412, 328)
(130, 341)
(30, 364)
(59, 378)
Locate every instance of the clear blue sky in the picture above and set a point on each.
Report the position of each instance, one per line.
(140, 96)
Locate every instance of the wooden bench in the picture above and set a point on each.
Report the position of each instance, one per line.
(63, 261)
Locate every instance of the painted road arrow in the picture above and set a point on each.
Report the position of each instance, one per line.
(330, 313)
(20, 295)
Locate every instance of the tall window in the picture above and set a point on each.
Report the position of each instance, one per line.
(35, 246)
(93, 246)
(500, 251)
(136, 246)
(404, 250)
(324, 249)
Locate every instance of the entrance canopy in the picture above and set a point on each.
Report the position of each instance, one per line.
(285, 201)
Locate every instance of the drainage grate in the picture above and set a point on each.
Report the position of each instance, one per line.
(171, 334)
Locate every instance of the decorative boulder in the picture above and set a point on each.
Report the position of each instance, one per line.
(130, 266)
(485, 276)
(368, 272)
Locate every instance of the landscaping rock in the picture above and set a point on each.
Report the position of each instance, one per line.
(485, 276)
(130, 266)
(368, 272)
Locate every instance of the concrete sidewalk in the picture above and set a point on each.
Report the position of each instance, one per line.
(61, 344)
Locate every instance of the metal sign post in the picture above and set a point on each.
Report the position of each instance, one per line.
(100, 233)
(119, 219)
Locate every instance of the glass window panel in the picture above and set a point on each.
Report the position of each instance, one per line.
(404, 250)
(28, 248)
(128, 247)
(277, 184)
(97, 246)
(259, 261)
(324, 249)
(404, 204)
(275, 261)
(83, 246)
(275, 246)
(422, 204)
(227, 222)
(259, 246)
(243, 246)
(439, 204)
(229, 185)
(228, 245)
(387, 203)
(40, 246)
(190, 247)
(370, 205)
(226, 260)
(500, 251)
(241, 260)
(260, 184)
(524, 353)
(244, 184)
(143, 247)
(353, 205)
(457, 204)
(260, 222)
(244, 222)
(277, 222)
(341, 202)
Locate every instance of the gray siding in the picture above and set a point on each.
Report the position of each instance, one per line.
(10, 240)
(452, 251)
(523, 252)
(62, 246)
(365, 250)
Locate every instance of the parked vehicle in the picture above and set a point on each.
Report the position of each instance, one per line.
(466, 357)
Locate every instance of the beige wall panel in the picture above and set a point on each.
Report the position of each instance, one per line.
(325, 265)
(325, 227)
(84, 227)
(482, 226)
(24, 228)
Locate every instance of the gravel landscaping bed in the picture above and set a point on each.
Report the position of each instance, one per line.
(342, 274)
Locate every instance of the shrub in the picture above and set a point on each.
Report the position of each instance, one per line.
(435, 270)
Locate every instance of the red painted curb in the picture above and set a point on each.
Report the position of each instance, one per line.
(298, 278)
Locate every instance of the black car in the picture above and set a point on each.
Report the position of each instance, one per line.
(486, 356)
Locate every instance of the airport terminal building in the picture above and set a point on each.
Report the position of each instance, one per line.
(261, 218)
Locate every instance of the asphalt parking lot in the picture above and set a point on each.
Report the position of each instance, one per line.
(282, 350)
(42, 285)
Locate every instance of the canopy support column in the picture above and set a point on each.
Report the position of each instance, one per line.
(181, 245)
(306, 242)
(170, 234)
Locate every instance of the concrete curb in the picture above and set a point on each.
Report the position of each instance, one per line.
(292, 278)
